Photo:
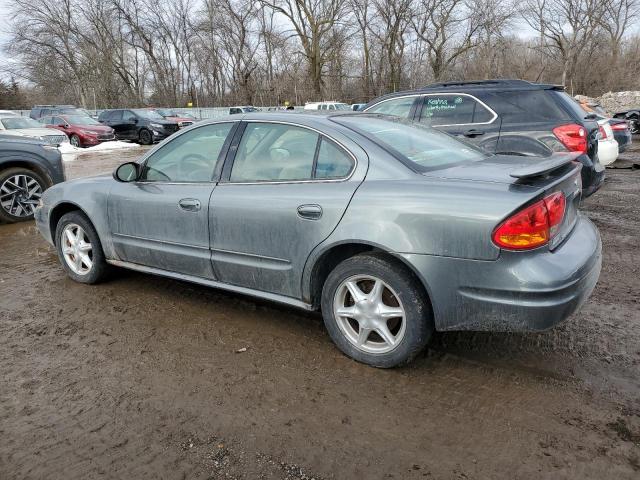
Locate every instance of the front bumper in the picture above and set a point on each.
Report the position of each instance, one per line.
(521, 291)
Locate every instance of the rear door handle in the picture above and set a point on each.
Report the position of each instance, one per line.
(473, 133)
(189, 204)
(310, 212)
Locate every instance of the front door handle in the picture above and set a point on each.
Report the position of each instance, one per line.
(473, 133)
(189, 204)
(310, 212)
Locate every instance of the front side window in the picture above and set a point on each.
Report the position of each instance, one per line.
(190, 157)
(277, 152)
(452, 109)
(128, 116)
(400, 107)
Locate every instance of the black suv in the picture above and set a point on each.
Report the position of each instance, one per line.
(40, 111)
(505, 117)
(27, 168)
(140, 125)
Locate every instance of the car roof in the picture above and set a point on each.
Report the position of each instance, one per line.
(474, 86)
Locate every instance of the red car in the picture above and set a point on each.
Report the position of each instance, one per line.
(82, 130)
(173, 116)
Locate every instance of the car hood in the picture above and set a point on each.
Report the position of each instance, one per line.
(34, 132)
(497, 168)
(93, 128)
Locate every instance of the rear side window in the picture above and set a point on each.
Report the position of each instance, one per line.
(452, 109)
(332, 162)
(420, 147)
(400, 107)
(533, 106)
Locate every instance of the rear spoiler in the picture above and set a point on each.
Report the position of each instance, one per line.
(546, 166)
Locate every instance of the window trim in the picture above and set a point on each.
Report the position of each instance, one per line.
(215, 173)
(421, 105)
(233, 150)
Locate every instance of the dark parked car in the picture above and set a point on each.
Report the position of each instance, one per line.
(82, 131)
(140, 125)
(27, 168)
(632, 117)
(622, 133)
(45, 110)
(512, 117)
(392, 229)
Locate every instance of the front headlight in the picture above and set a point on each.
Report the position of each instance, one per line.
(156, 126)
(89, 132)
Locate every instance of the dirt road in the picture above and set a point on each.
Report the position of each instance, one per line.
(139, 378)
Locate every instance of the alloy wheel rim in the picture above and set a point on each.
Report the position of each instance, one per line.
(19, 195)
(76, 249)
(75, 141)
(369, 314)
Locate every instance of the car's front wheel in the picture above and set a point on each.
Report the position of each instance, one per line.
(75, 141)
(79, 249)
(375, 311)
(20, 191)
(146, 137)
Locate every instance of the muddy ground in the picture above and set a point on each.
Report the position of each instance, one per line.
(139, 378)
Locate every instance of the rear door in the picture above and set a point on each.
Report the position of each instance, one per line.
(463, 115)
(282, 194)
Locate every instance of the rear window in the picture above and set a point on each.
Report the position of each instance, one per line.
(420, 147)
(528, 106)
(571, 104)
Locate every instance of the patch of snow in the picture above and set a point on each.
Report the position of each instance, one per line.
(69, 152)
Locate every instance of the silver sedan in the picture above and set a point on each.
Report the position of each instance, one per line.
(392, 230)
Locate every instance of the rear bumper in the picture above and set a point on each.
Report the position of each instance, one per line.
(624, 139)
(592, 174)
(521, 291)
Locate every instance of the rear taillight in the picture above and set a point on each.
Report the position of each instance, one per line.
(619, 126)
(603, 133)
(572, 136)
(533, 226)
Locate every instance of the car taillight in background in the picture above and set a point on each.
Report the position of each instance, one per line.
(603, 133)
(619, 126)
(533, 226)
(572, 136)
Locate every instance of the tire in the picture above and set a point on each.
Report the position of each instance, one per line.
(20, 190)
(398, 290)
(77, 223)
(145, 137)
(75, 141)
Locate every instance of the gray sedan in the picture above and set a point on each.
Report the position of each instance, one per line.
(392, 230)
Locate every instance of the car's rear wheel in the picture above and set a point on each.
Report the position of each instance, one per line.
(79, 249)
(146, 138)
(375, 311)
(20, 191)
(75, 141)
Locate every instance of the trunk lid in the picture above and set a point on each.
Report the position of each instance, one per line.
(540, 176)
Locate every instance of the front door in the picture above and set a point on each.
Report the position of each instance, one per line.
(285, 192)
(161, 220)
(462, 115)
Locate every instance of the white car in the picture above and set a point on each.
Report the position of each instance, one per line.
(607, 144)
(326, 106)
(27, 127)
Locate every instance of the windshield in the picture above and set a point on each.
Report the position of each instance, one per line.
(13, 123)
(150, 114)
(422, 147)
(72, 111)
(81, 120)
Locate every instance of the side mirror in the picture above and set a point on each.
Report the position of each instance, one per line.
(64, 125)
(127, 172)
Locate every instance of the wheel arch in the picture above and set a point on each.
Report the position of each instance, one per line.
(29, 165)
(59, 211)
(323, 262)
